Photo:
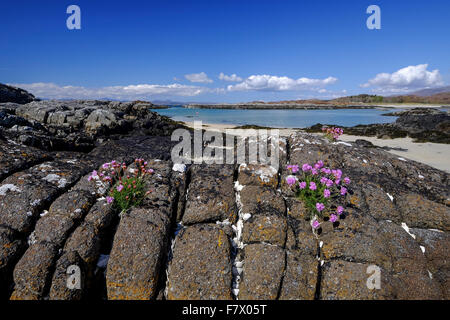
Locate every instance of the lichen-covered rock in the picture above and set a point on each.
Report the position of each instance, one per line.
(201, 265)
(263, 269)
(434, 245)
(262, 201)
(300, 279)
(15, 157)
(11, 247)
(69, 279)
(258, 175)
(342, 280)
(32, 273)
(211, 195)
(267, 228)
(420, 212)
(135, 261)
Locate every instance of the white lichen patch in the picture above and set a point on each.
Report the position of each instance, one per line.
(266, 172)
(423, 249)
(44, 213)
(8, 188)
(31, 239)
(54, 178)
(404, 226)
(402, 159)
(179, 167)
(246, 216)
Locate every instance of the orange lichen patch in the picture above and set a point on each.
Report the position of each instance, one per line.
(354, 200)
(7, 245)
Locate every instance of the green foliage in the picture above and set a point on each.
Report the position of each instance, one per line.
(131, 193)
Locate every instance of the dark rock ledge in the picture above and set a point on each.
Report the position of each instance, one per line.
(421, 124)
(210, 231)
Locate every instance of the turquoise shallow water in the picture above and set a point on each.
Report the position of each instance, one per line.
(279, 118)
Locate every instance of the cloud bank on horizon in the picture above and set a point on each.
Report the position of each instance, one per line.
(405, 80)
(402, 81)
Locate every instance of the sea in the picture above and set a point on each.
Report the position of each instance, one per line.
(279, 118)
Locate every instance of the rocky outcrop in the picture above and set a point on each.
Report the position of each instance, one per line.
(15, 95)
(422, 124)
(79, 125)
(211, 231)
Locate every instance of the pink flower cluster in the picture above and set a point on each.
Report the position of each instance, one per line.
(117, 172)
(319, 187)
(333, 133)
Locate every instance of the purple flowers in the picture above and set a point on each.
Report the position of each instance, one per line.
(320, 206)
(333, 218)
(315, 224)
(332, 133)
(319, 164)
(291, 180)
(320, 188)
(293, 167)
(109, 200)
(119, 188)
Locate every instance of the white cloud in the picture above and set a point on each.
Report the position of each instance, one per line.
(130, 92)
(198, 77)
(232, 78)
(273, 83)
(405, 79)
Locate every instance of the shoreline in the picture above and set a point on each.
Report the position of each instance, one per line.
(294, 106)
(435, 155)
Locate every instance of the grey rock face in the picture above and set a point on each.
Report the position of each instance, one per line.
(79, 124)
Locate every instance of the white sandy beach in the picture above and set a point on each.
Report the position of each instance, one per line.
(436, 155)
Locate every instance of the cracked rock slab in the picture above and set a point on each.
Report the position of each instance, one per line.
(139, 245)
(263, 269)
(201, 265)
(211, 195)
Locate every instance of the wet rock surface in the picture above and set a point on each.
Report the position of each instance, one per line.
(206, 231)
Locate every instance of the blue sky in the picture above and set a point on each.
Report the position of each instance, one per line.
(178, 49)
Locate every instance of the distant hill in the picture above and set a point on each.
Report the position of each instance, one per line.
(430, 92)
